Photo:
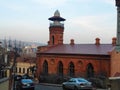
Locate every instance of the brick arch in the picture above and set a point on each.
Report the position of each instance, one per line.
(71, 69)
(45, 67)
(90, 70)
(53, 40)
(60, 68)
(79, 63)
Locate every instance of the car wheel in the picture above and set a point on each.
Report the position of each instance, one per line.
(64, 88)
(75, 88)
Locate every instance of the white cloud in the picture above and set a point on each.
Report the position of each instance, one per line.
(93, 22)
(92, 27)
(78, 27)
(15, 7)
(24, 30)
(51, 3)
(109, 1)
(12, 5)
(106, 1)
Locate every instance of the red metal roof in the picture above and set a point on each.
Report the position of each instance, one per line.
(91, 49)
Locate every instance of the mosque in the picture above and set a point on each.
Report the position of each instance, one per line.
(74, 60)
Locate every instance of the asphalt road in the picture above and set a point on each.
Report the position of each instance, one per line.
(47, 87)
(52, 87)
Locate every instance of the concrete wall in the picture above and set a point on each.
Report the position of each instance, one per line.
(115, 83)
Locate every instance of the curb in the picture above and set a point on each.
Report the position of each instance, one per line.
(60, 85)
(3, 80)
(48, 84)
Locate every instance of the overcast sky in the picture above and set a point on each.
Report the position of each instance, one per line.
(27, 20)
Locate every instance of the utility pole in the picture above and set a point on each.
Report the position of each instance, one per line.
(14, 65)
(14, 69)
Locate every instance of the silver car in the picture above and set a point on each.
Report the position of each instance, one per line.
(77, 84)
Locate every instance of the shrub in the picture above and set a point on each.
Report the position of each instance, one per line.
(98, 82)
(52, 78)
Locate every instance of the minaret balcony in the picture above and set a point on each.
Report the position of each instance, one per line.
(57, 24)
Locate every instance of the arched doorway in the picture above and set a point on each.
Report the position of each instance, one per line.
(45, 68)
(71, 69)
(60, 68)
(90, 70)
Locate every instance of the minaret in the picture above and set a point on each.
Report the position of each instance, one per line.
(118, 26)
(56, 29)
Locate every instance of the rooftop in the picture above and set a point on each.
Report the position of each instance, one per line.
(90, 49)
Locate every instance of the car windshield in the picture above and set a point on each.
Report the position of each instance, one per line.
(27, 81)
(82, 80)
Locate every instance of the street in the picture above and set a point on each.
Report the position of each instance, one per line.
(38, 86)
(52, 87)
(47, 87)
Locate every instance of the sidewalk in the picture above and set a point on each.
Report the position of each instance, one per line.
(4, 84)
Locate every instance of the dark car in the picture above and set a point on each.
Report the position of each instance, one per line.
(77, 84)
(26, 76)
(26, 84)
(17, 77)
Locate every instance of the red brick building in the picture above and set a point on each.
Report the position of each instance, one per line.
(115, 54)
(86, 60)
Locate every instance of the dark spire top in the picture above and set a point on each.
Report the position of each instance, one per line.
(56, 17)
(57, 13)
(117, 3)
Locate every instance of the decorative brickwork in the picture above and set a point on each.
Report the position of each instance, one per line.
(56, 35)
(100, 64)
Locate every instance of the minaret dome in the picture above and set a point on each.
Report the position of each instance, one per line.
(57, 13)
(56, 17)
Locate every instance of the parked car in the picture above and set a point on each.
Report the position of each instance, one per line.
(25, 84)
(77, 84)
(26, 76)
(17, 77)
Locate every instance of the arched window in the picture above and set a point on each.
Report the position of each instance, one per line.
(71, 69)
(27, 70)
(53, 40)
(19, 70)
(90, 70)
(23, 70)
(45, 67)
(60, 68)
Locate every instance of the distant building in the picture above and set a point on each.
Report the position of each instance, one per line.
(22, 58)
(24, 65)
(85, 60)
(4, 61)
(29, 50)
